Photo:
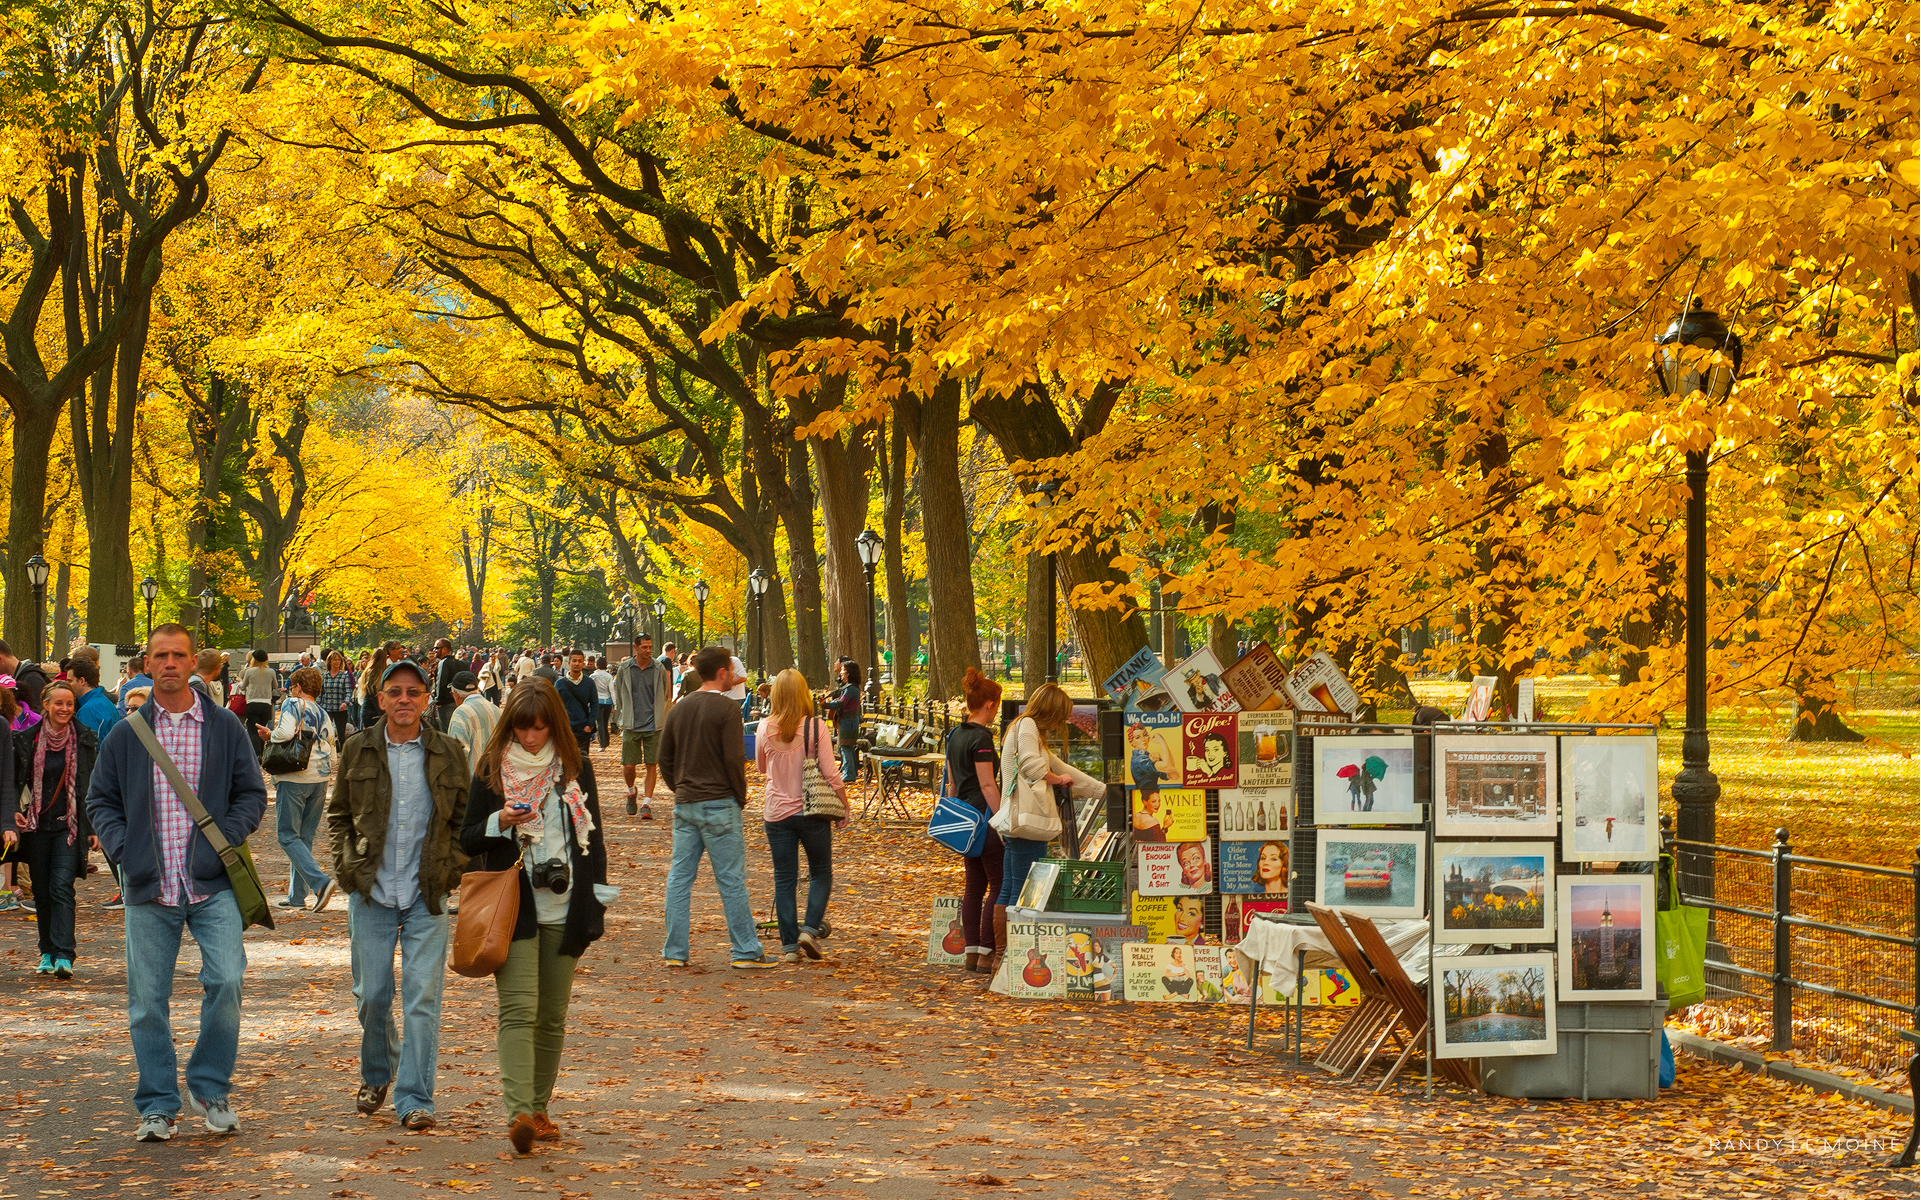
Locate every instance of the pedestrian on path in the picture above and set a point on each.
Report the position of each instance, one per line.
(845, 707)
(1027, 753)
(300, 797)
(173, 881)
(96, 709)
(534, 802)
(642, 697)
(474, 719)
(604, 701)
(403, 789)
(973, 775)
(337, 693)
(261, 687)
(446, 666)
(703, 756)
(580, 697)
(45, 817)
(785, 740)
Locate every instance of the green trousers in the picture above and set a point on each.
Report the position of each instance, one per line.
(534, 987)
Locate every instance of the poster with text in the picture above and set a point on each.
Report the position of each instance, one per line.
(1210, 743)
(1196, 685)
(1254, 868)
(1253, 814)
(946, 944)
(1258, 679)
(1154, 914)
(1034, 967)
(1169, 815)
(1136, 687)
(1093, 959)
(1176, 869)
(1317, 686)
(1266, 757)
(1165, 974)
(1153, 750)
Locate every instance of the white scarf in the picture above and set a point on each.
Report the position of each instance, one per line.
(530, 777)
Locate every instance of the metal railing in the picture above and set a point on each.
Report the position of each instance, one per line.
(1818, 955)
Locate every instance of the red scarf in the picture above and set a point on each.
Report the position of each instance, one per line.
(67, 743)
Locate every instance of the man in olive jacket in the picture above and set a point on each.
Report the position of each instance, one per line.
(399, 798)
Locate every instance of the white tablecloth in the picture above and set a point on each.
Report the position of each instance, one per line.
(1273, 944)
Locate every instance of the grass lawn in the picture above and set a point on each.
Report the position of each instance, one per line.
(1854, 801)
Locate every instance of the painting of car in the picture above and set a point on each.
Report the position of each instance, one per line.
(1371, 875)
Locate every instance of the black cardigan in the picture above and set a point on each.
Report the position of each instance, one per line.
(17, 778)
(586, 915)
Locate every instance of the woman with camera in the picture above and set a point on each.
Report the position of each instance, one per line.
(534, 803)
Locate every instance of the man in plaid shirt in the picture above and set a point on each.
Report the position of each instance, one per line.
(174, 881)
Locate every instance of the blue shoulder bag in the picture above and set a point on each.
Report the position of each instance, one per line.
(956, 824)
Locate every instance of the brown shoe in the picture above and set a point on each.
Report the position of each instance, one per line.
(368, 1099)
(521, 1131)
(419, 1120)
(544, 1129)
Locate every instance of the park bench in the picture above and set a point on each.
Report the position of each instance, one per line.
(902, 749)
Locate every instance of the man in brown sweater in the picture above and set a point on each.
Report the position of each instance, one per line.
(703, 758)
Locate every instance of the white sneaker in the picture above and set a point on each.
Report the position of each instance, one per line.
(791, 958)
(154, 1127)
(216, 1113)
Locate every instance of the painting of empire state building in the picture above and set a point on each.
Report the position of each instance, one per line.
(1606, 937)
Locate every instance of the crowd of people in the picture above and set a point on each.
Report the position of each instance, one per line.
(426, 764)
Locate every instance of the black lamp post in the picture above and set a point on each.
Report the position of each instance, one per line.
(1699, 354)
(869, 544)
(700, 599)
(207, 601)
(149, 588)
(252, 611)
(660, 621)
(1044, 499)
(286, 621)
(37, 577)
(757, 584)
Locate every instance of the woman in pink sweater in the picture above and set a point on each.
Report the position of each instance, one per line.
(789, 736)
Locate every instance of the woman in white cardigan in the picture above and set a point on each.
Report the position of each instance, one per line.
(1030, 770)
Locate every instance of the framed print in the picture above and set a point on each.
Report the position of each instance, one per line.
(1494, 893)
(1374, 871)
(1365, 781)
(1494, 1006)
(1494, 785)
(1610, 791)
(1607, 937)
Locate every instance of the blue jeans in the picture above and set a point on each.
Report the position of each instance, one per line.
(713, 827)
(374, 930)
(153, 950)
(51, 865)
(297, 808)
(847, 744)
(785, 840)
(1017, 859)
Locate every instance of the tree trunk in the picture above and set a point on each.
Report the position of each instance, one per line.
(1036, 653)
(34, 427)
(842, 466)
(1816, 718)
(803, 583)
(62, 619)
(950, 580)
(900, 608)
(103, 453)
(474, 559)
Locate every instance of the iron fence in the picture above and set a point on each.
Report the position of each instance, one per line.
(1817, 955)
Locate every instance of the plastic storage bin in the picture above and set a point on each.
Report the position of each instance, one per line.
(1089, 887)
(1610, 1050)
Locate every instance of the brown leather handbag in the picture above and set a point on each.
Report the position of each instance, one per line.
(484, 927)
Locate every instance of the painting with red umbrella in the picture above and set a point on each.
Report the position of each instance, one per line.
(1365, 781)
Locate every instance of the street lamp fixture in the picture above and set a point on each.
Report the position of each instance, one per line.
(1701, 356)
(660, 621)
(149, 588)
(757, 584)
(37, 577)
(207, 601)
(869, 544)
(1043, 499)
(700, 600)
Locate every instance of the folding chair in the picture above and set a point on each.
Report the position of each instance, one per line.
(1360, 1037)
(1414, 1011)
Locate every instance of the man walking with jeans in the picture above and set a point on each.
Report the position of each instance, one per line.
(642, 697)
(703, 758)
(174, 881)
(394, 821)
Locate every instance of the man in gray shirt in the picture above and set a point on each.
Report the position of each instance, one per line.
(394, 819)
(643, 692)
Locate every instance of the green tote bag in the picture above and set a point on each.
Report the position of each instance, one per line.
(1681, 945)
